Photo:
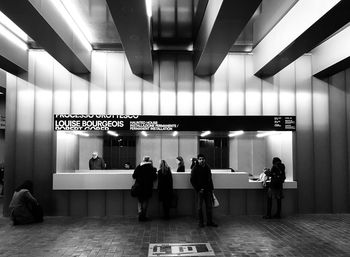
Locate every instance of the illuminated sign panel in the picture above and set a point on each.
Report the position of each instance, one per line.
(73, 122)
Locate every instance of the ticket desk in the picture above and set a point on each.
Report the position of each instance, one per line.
(237, 193)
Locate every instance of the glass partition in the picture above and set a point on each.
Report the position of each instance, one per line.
(248, 152)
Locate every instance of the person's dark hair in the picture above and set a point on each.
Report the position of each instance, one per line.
(194, 162)
(181, 161)
(276, 160)
(28, 184)
(201, 156)
(164, 167)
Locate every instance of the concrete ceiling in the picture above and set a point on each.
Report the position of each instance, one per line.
(208, 29)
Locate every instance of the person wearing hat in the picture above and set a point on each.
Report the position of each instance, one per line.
(202, 182)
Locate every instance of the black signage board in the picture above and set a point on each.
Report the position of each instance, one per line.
(82, 122)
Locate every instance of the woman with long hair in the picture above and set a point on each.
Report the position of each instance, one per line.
(180, 164)
(165, 187)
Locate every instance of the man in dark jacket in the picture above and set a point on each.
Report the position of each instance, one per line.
(144, 174)
(96, 162)
(275, 187)
(203, 184)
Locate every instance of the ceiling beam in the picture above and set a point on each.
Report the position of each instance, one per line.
(13, 59)
(40, 20)
(303, 28)
(221, 25)
(133, 25)
(332, 56)
(198, 16)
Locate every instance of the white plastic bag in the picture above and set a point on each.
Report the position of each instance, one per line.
(215, 201)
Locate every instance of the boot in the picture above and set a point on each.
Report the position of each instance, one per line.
(279, 207)
(201, 219)
(269, 207)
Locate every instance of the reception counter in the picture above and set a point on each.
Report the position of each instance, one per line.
(107, 193)
(122, 180)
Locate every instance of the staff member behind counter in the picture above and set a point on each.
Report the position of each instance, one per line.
(96, 162)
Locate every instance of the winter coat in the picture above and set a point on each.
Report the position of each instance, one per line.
(201, 178)
(145, 174)
(22, 207)
(165, 185)
(277, 175)
(181, 168)
(96, 164)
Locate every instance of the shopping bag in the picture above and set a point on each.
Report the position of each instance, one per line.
(215, 201)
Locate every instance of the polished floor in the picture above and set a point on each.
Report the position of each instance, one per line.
(300, 235)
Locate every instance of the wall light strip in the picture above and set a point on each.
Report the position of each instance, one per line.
(73, 9)
(205, 133)
(149, 8)
(71, 23)
(12, 37)
(236, 133)
(11, 26)
(267, 133)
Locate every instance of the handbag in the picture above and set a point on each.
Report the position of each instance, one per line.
(215, 201)
(135, 188)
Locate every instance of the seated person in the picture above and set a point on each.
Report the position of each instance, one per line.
(96, 162)
(24, 208)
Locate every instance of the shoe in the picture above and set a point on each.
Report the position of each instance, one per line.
(201, 225)
(267, 217)
(276, 216)
(212, 224)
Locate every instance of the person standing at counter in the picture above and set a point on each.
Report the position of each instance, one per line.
(275, 188)
(96, 162)
(194, 162)
(144, 174)
(165, 187)
(180, 164)
(202, 182)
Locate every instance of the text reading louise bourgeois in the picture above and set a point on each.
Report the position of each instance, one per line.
(90, 122)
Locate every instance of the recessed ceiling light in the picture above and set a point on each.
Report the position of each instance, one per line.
(267, 133)
(112, 133)
(205, 133)
(236, 133)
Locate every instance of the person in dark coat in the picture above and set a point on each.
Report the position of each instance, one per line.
(202, 182)
(165, 187)
(144, 174)
(96, 162)
(180, 164)
(277, 176)
(24, 208)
